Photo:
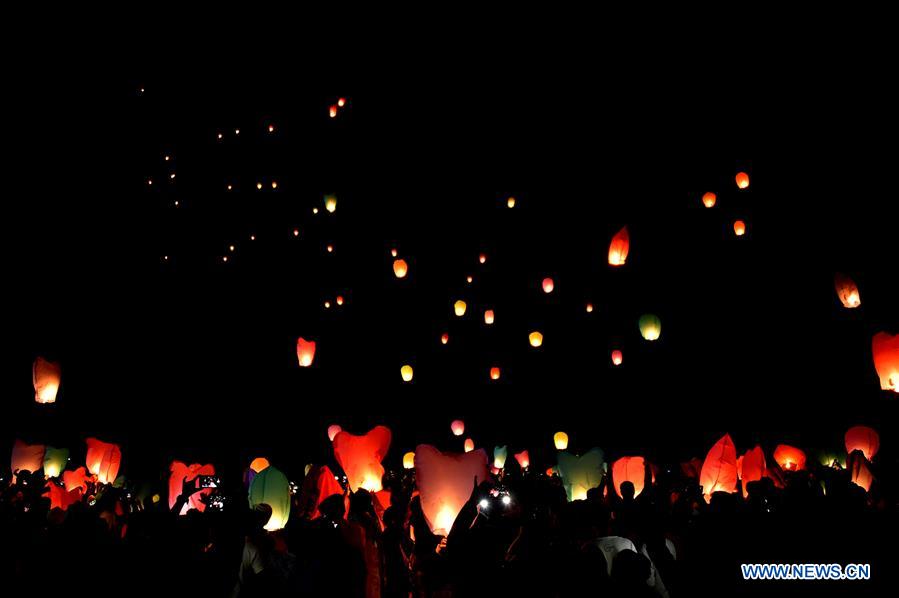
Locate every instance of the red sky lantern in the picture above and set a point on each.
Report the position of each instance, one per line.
(444, 483)
(444, 338)
(524, 460)
(181, 473)
(752, 467)
(59, 497)
(789, 457)
(333, 429)
(739, 228)
(361, 456)
(103, 460)
(709, 199)
(318, 485)
(305, 352)
(617, 357)
(847, 291)
(45, 376)
(629, 469)
(26, 457)
(341, 102)
(458, 427)
(864, 439)
(619, 247)
(75, 479)
(885, 348)
(859, 472)
(742, 180)
(468, 445)
(332, 110)
(494, 373)
(548, 285)
(719, 470)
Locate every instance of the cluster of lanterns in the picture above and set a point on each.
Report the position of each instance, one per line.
(334, 108)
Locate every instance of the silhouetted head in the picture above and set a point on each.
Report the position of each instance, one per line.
(332, 507)
(627, 490)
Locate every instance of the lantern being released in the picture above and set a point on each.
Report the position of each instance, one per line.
(361, 456)
(458, 427)
(535, 338)
(103, 460)
(75, 479)
(619, 247)
(789, 457)
(858, 438)
(400, 268)
(459, 308)
(180, 475)
(55, 460)
(333, 429)
(847, 291)
(548, 285)
(580, 474)
(468, 445)
(406, 372)
(709, 199)
(742, 180)
(500, 453)
(629, 469)
(650, 326)
(271, 487)
(885, 348)
(524, 460)
(305, 352)
(719, 470)
(617, 357)
(26, 457)
(444, 483)
(409, 460)
(752, 467)
(45, 376)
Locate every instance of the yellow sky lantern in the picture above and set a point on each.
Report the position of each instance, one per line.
(494, 373)
(488, 316)
(510, 203)
(709, 199)
(400, 268)
(535, 338)
(739, 228)
(409, 460)
(458, 427)
(331, 203)
(560, 440)
(650, 326)
(619, 247)
(742, 180)
(468, 446)
(548, 285)
(459, 308)
(406, 373)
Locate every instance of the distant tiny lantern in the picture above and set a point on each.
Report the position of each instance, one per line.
(459, 308)
(488, 316)
(858, 438)
(331, 203)
(444, 338)
(330, 249)
(296, 232)
(458, 427)
(510, 203)
(327, 305)
(469, 279)
(494, 373)
(847, 291)
(271, 128)
(739, 228)
(482, 258)
(650, 326)
(400, 268)
(548, 285)
(468, 445)
(589, 308)
(619, 247)
(393, 253)
(339, 300)
(305, 352)
(341, 102)
(333, 430)
(709, 199)
(274, 184)
(617, 357)
(409, 460)
(45, 376)
(742, 180)
(332, 111)
(535, 338)
(789, 458)
(885, 348)
(560, 439)
(258, 186)
(406, 373)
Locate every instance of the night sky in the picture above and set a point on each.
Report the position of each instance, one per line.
(194, 358)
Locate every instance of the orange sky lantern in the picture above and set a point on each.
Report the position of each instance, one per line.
(709, 199)
(864, 439)
(742, 180)
(361, 456)
(789, 457)
(406, 372)
(847, 291)
(535, 338)
(26, 457)
(181, 473)
(258, 464)
(444, 483)
(494, 373)
(459, 308)
(752, 467)
(103, 460)
(305, 352)
(45, 375)
(468, 445)
(739, 228)
(400, 268)
(482, 258)
(719, 470)
(885, 348)
(619, 247)
(409, 460)
(444, 338)
(629, 469)
(488, 317)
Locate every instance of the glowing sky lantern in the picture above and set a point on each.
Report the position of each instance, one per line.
(333, 430)
(885, 348)
(444, 338)
(709, 199)
(409, 460)
(468, 445)
(305, 352)
(45, 376)
(719, 470)
(400, 268)
(860, 438)
(55, 460)
(500, 453)
(332, 111)
(458, 427)
(617, 357)
(739, 228)
(59, 497)
(459, 308)
(271, 487)
(494, 373)
(742, 180)
(445, 481)
(180, 475)
(580, 474)
(589, 308)
(75, 479)
(548, 285)
(535, 338)
(859, 473)
(560, 440)
(789, 457)
(406, 372)
(488, 317)
(258, 464)
(482, 258)
(103, 460)
(847, 291)
(650, 326)
(619, 247)
(361, 456)
(629, 469)
(26, 457)
(752, 467)
(331, 203)
(341, 102)
(318, 485)
(510, 203)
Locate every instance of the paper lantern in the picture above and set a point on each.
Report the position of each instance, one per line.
(333, 430)
(524, 460)
(445, 482)
(742, 180)
(45, 375)
(258, 464)
(617, 357)
(341, 102)
(318, 485)
(26, 457)
(789, 457)
(739, 228)
(400, 268)
(271, 487)
(535, 338)
(305, 352)
(444, 338)
(860, 438)
(409, 460)
(406, 372)
(494, 373)
(619, 247)
(885, 348)
(468, 445)
(59, 497)
(103, 460)
(847, 291)
(752, 467)
(332, 110)
(719, 470)
(488, 317)
(709, 199)
(75, 479)
(331, 203)
(580, 474)
(459, 308)
(650, 326)
(859, 472)
(482, 258)
(510, 203)
(499, 456)
(180, 473)
(361, 456)
(548, 285)
(589, 308)
(560, 439)
(629, 469)
(55, 460)
(458, 427)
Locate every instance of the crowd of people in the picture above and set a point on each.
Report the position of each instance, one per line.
(518, 535)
